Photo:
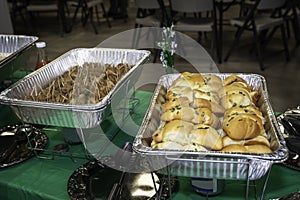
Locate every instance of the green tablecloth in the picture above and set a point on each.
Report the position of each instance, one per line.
(38, 178)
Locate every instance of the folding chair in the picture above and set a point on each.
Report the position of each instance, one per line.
(89, 8)
(261, 16)
(195, 16)
(291, 12)
(35, 7)
(149, 14)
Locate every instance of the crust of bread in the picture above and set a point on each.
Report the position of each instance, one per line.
(206, 136)
(254, 141)
(232, 78)
(191, 80)
(236, 100)
(180, 91)
(243, 126)
(175, 131)
(188, 114)
(251, 109)
(258, 148)
(210, 96)
(175, 146)
(234, 148)
(176, 102)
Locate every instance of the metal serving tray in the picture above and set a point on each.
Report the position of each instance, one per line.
(69, 115)
(11, 47)
(212, 164)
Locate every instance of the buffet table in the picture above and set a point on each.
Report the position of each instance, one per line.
(47, 179)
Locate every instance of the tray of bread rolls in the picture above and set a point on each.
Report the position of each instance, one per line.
(211, 125)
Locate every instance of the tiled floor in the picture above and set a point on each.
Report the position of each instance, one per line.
(282, 77)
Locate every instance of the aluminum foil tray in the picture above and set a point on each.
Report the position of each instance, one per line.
(71, 115)
(212, 164)
(12, 45)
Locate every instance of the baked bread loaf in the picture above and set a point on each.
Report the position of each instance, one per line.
(233, 78)
(243, 126)
(237, 148)
(175, 131)
(180, 91)
(253, 141)
(235, 84)
(183, 101)
(252, 109)
(176, 146)
(191, 80)
(212, 83)
(193, 115)
(186, 135)
(206, 136)
(258, 148)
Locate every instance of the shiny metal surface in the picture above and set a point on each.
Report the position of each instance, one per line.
(95, 180)
(12, 45)
(213, 164)
(67, 115)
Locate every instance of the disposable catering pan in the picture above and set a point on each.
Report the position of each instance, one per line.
(211, 164)
(11, 47)
(66, 114)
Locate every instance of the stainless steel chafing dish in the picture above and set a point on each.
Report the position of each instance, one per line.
(11, 47)
(212, 164)
(69, 115)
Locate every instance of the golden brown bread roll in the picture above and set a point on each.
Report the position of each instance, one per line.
(196, 103)
(236, 88)
(234, 148)
(187, 79)
(241, 84)
(176, 102)
(243, 126)
(242, 88)
(188, 114)
(201, 103)
(180, 91)
(161, 96)
(167, 145)
(236, 100)
(233, 78)
(204, 103)
(256, 140)
(176, 146)
(175, 131)
(206, 136)
(217, 108)
(199, 115)
(251, 109)
(210, 96)
(235, 81)
(258, 148)
(212, 83)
